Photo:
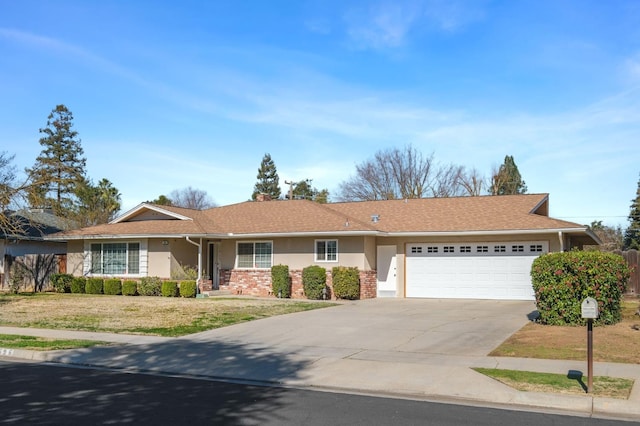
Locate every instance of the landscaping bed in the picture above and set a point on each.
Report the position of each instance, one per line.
(612, 343)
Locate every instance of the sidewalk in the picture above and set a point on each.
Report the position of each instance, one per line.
(433, 377)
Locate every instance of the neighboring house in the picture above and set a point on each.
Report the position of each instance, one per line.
(26, 239)
(466, 247)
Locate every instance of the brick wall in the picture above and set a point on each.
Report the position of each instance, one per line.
(258, 283)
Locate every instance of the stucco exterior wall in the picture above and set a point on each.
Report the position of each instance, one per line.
(159, 258)
(75, 257)
(299, 253)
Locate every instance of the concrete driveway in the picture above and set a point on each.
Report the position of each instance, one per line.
(382, 329)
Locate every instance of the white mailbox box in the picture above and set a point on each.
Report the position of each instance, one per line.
(590, 308)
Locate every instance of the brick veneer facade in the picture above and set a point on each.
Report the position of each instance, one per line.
(258, 283)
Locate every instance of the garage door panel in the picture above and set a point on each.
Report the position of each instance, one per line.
(472, 270)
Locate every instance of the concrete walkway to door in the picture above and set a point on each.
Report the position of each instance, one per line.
(402, 347)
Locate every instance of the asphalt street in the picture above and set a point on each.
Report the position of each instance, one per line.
(45, 394)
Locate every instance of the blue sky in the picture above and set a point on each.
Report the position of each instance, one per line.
(167, 95)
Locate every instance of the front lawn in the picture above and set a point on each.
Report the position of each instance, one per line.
(160, 316)
(612, 343)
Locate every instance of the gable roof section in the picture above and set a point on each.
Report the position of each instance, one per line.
(458, 214)
(251, 219)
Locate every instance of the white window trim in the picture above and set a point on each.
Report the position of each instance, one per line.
(315, 251)
(235, 266)
(142, 261)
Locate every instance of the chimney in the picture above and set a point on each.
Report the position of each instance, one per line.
(263, 197)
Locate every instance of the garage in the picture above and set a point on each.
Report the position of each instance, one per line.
(492, 270)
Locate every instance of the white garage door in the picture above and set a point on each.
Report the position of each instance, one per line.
(472, 270)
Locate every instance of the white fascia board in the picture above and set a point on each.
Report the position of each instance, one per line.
(301, 234)
(114, 237)
(145, 206)
(476, 233)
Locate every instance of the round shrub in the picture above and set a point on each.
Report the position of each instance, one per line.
(170, 289)
(346, 282)
(129, 288)
(280, 282)
(150, 286)
(61, 282)
(314, 282)
(563, 280)
(94, 286)
(78, 285)
(188, 288)
(113, 286)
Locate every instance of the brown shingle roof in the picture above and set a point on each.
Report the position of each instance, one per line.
(461, 214)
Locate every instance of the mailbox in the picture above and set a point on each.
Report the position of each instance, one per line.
(590, 308)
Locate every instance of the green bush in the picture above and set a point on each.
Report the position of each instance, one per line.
(314, 282)
(94, 286)
(113, 286)
(129, 288)
(188, 288)
(150, 286)
(280, 282)
(61, 282)
(563, 280)
(170, 289)
(346, 282)
(78, 285)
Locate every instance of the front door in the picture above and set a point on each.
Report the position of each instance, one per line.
(213, 266)
(386, 266)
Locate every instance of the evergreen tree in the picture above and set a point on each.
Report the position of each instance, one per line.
(304, 191)
(507, 180)
(60, 167)
(96, 203)
(632, 235)
(268, 180)
(162, 200)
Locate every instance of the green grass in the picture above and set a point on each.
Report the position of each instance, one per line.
(11, 341)
(572, 383)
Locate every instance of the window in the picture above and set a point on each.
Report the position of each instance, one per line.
(535, 248)
(448, 249)
(499, 249)
(416, 249)
(517, 248)
(326, 250)
(254, 255)
(482, 249)
(432, 249)
(115, 258)
(465, 249)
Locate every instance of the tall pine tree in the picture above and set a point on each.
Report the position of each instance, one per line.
(268, 181)
(632, 234)
(507, 180)
(60, 167)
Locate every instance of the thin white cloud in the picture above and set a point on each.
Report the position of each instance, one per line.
(389, 24)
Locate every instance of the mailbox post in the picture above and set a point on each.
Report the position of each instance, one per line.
(590, 312)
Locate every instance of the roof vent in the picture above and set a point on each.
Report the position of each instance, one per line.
(375, 218)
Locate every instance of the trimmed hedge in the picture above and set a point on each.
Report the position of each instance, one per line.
(280, 281)
(129, 288)
(113, 287)
(61, 283)
(563, 280)
(170, 289)
(346, 282)
(78, 285)
(188, 288)
(314, 282)
(150, 286)
(94, 286)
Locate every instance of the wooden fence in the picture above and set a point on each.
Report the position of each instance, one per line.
(631, 256)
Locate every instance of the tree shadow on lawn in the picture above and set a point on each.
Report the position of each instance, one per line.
(109, 396)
